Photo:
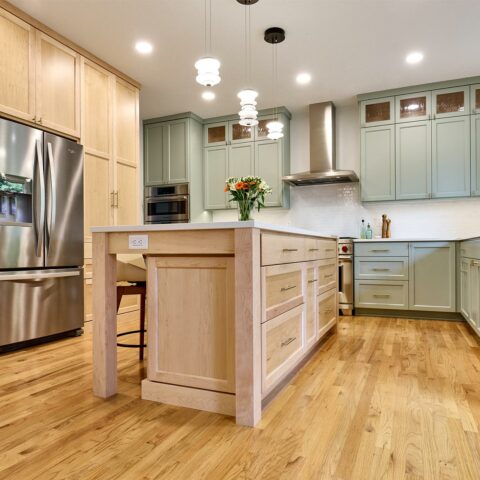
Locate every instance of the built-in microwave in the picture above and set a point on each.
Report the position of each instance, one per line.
(167, 204)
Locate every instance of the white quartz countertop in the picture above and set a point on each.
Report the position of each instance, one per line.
(209, 226)
(413, 239)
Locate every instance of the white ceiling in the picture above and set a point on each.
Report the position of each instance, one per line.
(349, 46)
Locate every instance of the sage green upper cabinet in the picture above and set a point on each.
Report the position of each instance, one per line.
(475, 98)
(155, 152)
(216, 134)
(451, 157)
(377, 112)
(413, 107)
(432, 276)
(268, 165)
(451, 102)
(166, 152)
(413, 160)
(215, 173)
(239, 133)
(377, 163)
(475, 154)
(241, 160)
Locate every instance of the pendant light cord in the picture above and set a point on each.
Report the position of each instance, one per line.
(208, 27)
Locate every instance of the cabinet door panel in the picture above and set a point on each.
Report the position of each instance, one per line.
(215, 169)
(451, 102)
(475, 98)
(413, 160)
(17, 67)
(432, 276)
(475, 294)
(177, 158)
(377, 112)
(413, 107)
(198, 353)
(97, 109)
(451, 157)
(327, 311)
(98, 192)
(268, 165)
(311, 324)
(465, 285)
(127, 195)
(378, 163)
(57, 86)
(156, 153)
(475, 154)
(239, 133)
(215, 134)
(241, 160)
(126, 122)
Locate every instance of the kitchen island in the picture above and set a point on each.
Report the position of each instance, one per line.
(233, 310)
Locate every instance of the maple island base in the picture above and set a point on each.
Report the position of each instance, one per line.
(232, 310)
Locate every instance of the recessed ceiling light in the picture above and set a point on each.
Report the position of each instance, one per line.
(414, 57)
(208, 95)
(304, 78)
(144, 47)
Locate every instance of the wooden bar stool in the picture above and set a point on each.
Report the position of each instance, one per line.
(131, 280)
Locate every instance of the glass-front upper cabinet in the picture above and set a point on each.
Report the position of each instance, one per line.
(413, 107)
(216, 134)
(451, 102)
(261, 130)
(475, 98)
(377, 112)
(240, 133)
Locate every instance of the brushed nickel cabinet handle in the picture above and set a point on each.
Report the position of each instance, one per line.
(288, 341)
(329, 249)
(328, 276)
(290, 249)
(381, 296)
(284, 289)
(380, 269)
(112, 198)
(313, 249)
(312, 281)
(379, 250)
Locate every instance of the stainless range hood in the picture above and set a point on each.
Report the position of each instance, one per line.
(322, 151)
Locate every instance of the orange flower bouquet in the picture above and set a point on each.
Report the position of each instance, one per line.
(248, 192)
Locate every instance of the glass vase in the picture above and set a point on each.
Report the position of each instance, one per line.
(244, 211)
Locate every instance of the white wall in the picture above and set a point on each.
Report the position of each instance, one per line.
(337, 209)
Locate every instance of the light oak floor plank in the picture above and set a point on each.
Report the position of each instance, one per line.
(383, 398)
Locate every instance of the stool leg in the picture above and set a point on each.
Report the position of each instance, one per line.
(142, 324)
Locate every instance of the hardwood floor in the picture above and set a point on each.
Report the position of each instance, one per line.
(382, 399)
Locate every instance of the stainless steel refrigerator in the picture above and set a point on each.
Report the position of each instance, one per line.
(41, 235)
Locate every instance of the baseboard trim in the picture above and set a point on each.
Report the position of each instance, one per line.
(414, 314)
(181, 396)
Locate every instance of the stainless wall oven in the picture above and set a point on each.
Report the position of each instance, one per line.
(167, 204)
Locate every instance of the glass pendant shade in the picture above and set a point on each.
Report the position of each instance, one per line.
(275, 130)
(208, 73)
(248, 113)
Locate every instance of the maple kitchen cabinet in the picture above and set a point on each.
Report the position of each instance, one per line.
(249, 312)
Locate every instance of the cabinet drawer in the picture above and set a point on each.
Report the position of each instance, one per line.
(282, 345)
(384, 249)
(277, 249)
(317, 248)
(327, 311)
(282, 289)
(327, 274)
(386, 268)
(381, 294)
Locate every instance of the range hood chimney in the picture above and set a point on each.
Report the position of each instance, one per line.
(322, 151)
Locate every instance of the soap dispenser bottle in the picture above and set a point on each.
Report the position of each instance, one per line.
(363, 230)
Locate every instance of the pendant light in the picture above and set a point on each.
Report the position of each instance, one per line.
(208, 67)
(274, 36)
(248, 97)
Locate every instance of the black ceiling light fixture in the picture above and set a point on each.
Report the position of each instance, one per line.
(274, 36)
(247, 2)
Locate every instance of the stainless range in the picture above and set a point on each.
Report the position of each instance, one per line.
(345, 275)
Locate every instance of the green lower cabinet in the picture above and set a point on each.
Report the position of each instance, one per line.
(432, 276)
(475, 152)
(475, 294)
(377, 163)
(215, 173)
(413, 160)
(451, 157)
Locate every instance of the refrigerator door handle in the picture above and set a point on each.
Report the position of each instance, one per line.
(32, 276)
(53, 197)
(39, 215)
